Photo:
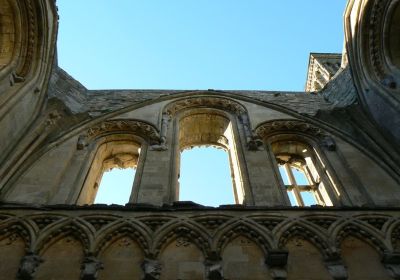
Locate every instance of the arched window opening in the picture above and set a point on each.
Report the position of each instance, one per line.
(300, 173)
(205, 176)
(115, 185)
(111, 175)
(212, 129)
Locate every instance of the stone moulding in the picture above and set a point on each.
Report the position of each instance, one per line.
(270, 128)
(222, 103)
(183, 227)
(139, 128)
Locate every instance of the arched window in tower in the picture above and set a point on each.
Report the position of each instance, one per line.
(301, 173)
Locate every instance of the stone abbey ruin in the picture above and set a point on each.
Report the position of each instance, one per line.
(342, 134)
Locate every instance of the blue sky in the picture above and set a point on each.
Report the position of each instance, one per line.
(196, 44)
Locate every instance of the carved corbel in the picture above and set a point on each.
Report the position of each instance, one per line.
(213, 266)
(90, 268)
(328, 143)
(15, 78)
(28, 266)
(253, 143)
(336, 268)
(151, 269)
(392, 264)
(51, 119)
(82, 142)
(163, 134)
(276, 262)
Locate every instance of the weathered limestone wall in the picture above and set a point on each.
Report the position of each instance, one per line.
(373, 56)
(26, 57)
(185, 243)
(57, 137)
(59, 174)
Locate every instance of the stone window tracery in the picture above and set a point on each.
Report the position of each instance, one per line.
(301, 173)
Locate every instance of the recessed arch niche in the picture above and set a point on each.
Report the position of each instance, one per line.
(312, 269)
(182, 259)
(12, 249)
(67, 253)
(244, 259)
(356, 253)
(122, 259)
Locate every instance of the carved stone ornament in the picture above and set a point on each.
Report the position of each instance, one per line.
(28, 266)
(214, 270)
(139, 128)
(376, 36)
(90, 268)
(278, 273)
(82, 142)
(337, 269)
(276, 262)
(268, 128)
(205, 101)
(151, 269)
(370, 22)
(392, 265)
(14, 78)
(161, 145)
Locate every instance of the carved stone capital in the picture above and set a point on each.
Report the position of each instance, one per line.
(255, 145)
(278, 273)
(82, 142)
(28, 266)
(328, 143)
(337, 269)
(90, 268)
(151, 269)
(392, 264)
(214, 268)
(276, 262)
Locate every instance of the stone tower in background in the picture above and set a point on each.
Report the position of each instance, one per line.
(341, 135)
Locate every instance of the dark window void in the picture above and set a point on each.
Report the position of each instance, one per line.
(205, 177)
(115, 186)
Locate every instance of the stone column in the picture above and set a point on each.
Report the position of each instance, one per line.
(159, 173)
(263, 178)
(154, 185)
